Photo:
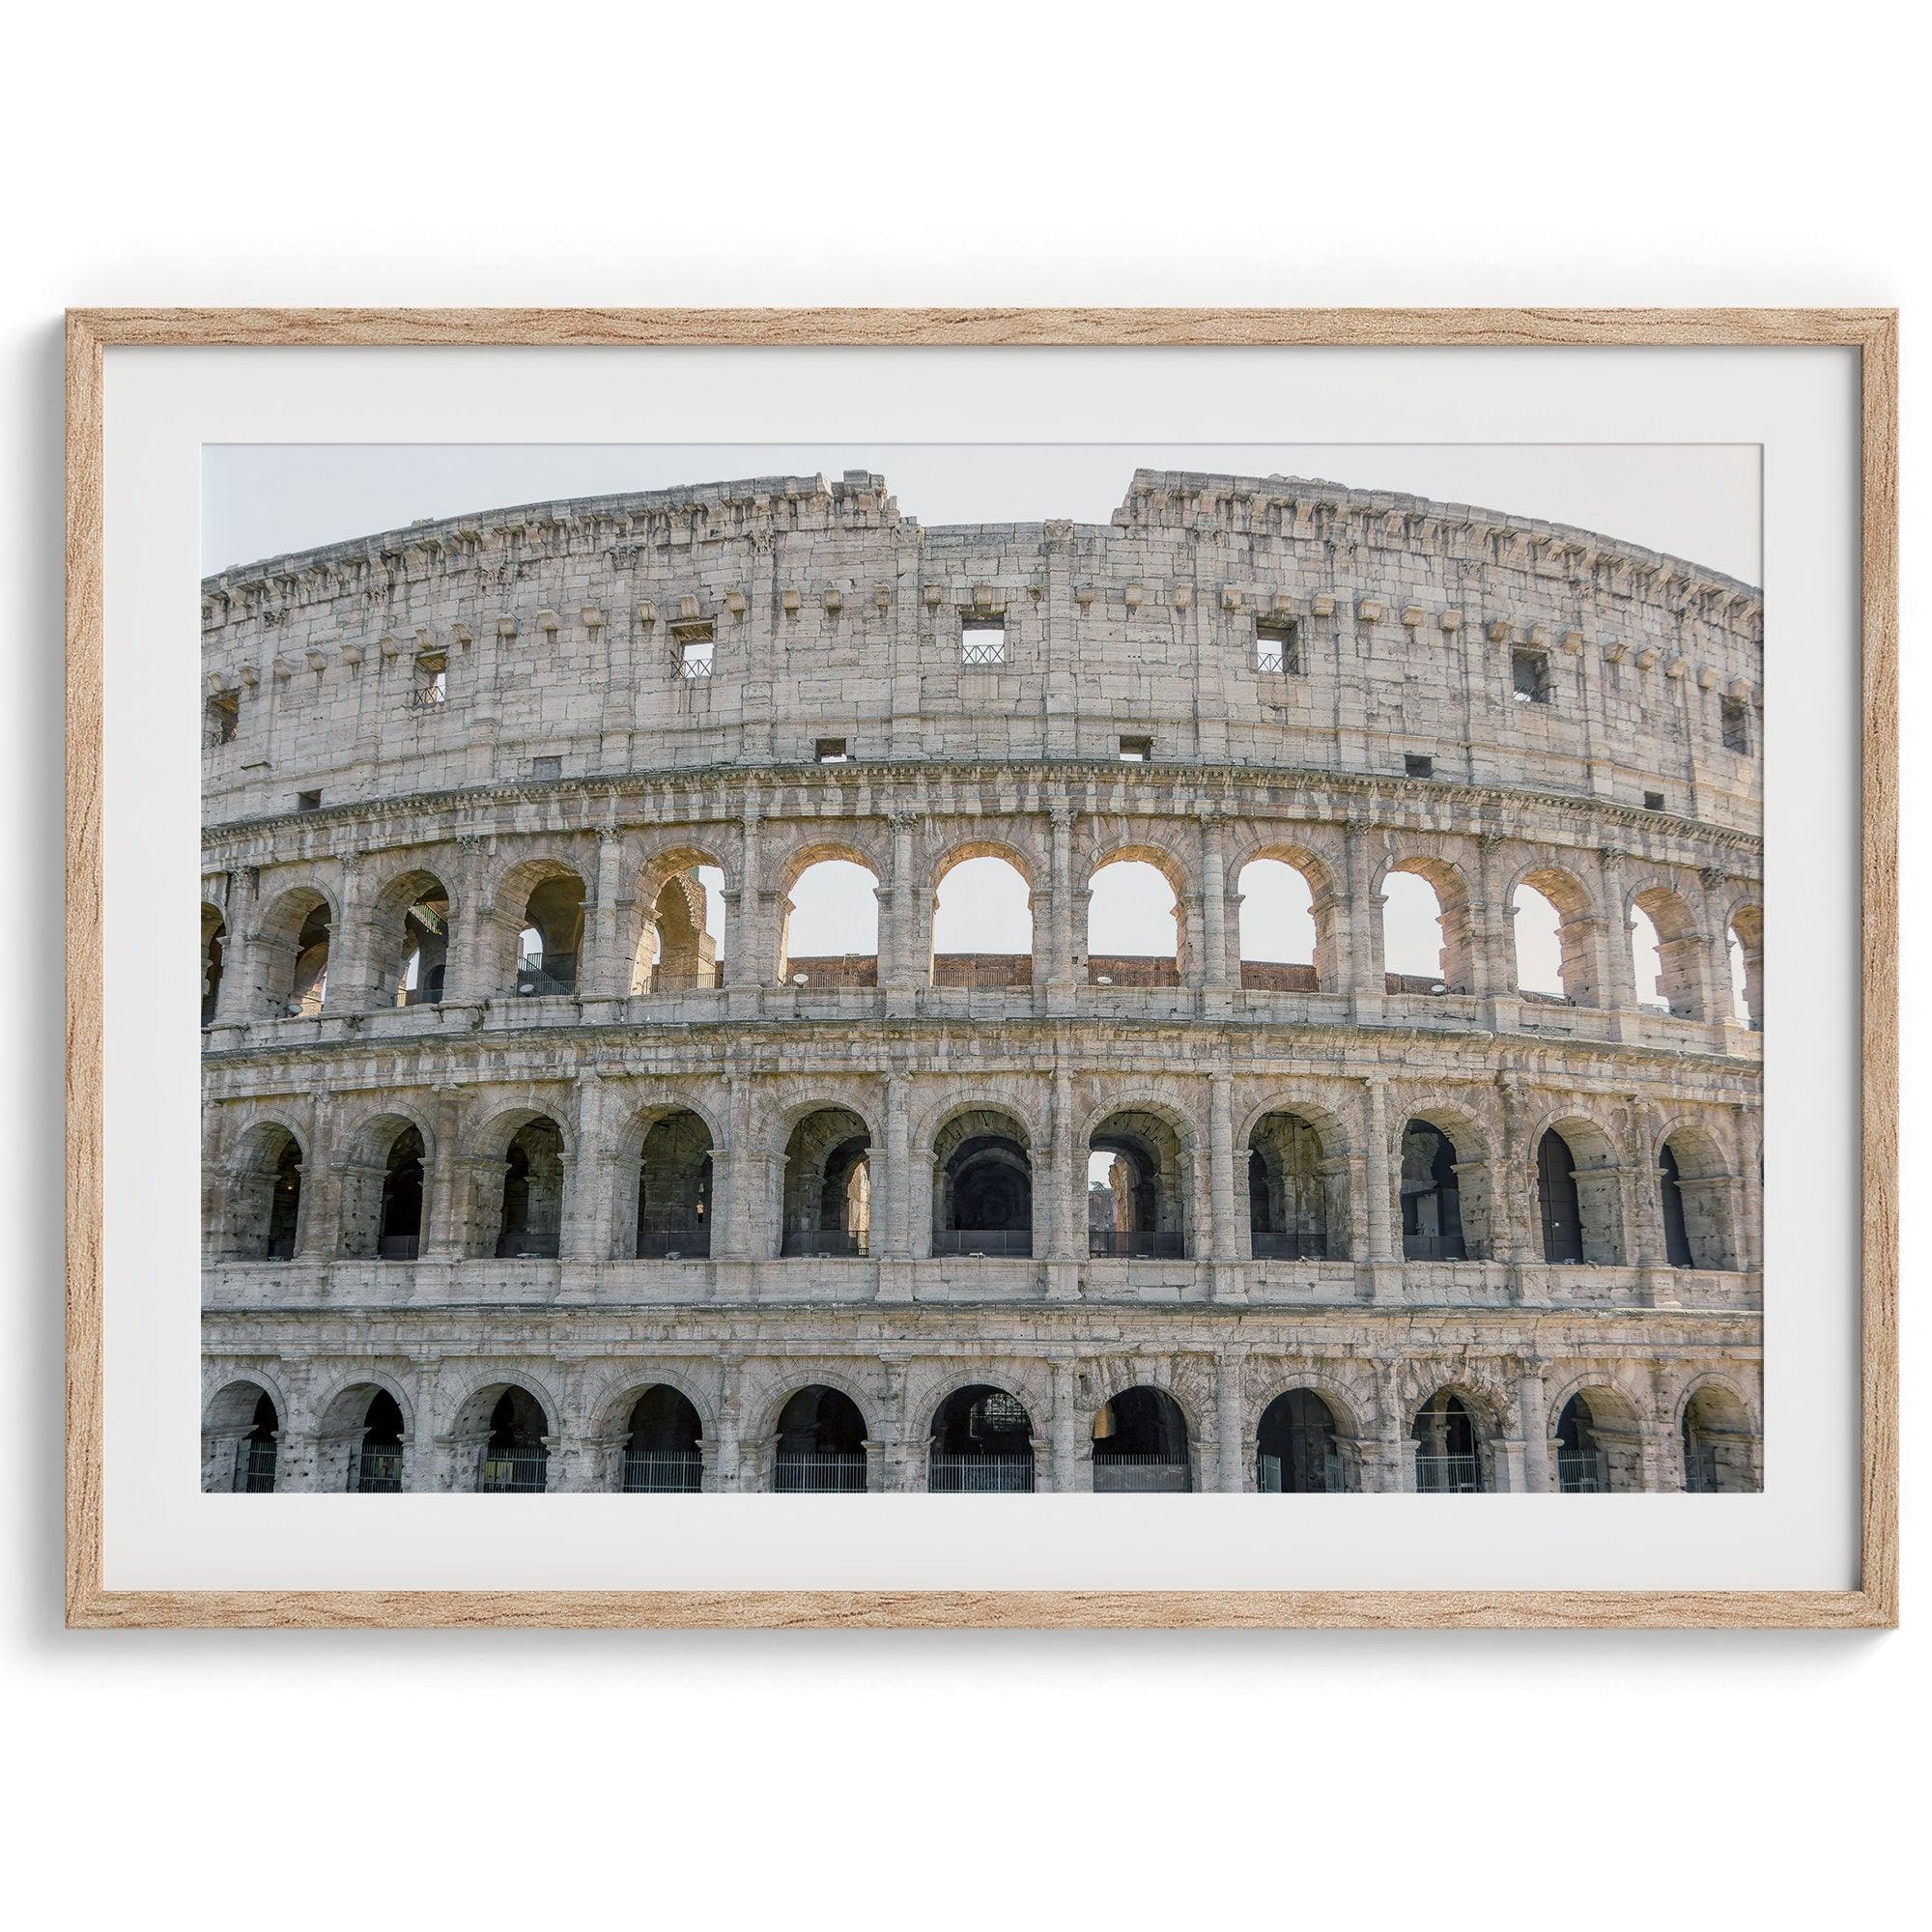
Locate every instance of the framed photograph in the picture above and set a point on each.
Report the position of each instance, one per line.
(993, 968)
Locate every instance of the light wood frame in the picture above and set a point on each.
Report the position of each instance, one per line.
(1872, 332)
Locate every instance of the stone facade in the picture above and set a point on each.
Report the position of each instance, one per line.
(632, 1175)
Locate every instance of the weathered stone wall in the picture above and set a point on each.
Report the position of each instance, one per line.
(835, 617)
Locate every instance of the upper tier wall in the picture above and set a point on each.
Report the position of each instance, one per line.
(836, 617)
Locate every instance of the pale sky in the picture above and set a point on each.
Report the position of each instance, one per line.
(1695, 500)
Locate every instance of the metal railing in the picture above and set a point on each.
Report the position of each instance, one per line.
(987, 651)
(1139, 1475)
(1448, 1475)
(378, 1470)
(978, 1475)
(693, 666)
(397, 1247)
(1266, 1247)
(427, 696)
(819, 1472)
(255, 1469)
(1436, 1248)
(533, 981)
(661, 1473)
(800, 1241)
(1275, 658)
(673, 1244)
(1700, 1472)
(512, 1472)
(1141, 1244)
(983, 1241)
(1333, 1473)
(1579, 1472)
(536, 1244)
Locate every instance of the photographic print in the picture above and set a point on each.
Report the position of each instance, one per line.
(982, 969)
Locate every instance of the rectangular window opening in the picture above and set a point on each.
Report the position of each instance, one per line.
(547, 768)
(1136, 750)
(1737, 725)
(224, 717)
(1653, 801)
(1529, 675)
(982, 641)
(694, 644)
(1417, 766)
(308, 801)
(1278, 649)
(432, 685)
(831, 751)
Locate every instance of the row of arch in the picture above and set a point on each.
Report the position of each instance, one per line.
(1289, 933)
(980, 1438)
(509, 1195)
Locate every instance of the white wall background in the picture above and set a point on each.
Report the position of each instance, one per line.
(1022, 155)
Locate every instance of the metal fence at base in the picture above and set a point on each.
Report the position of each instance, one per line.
(827, 1473)
(255, 1469)
(379, 1471)
(1139, 1476)
(512, 1472)
(649, 1472)
(1579, 1472)
(978, 1475)
(1448, 1475)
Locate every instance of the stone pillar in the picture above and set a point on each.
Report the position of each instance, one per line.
(899, 965)
(609, 973)
(1227, 1414)
(898, 1190)
(470, 974)
(1073, 1443)
(1360, 911)
(1213, 904)
(741, 1222)
(728, 1463)
(318, 1212)
(1619, 983)
(1492, 925)
(1224, 1239)
(1060, 965)
(1646, 1204)
(582, 1233)
(1717, 925)
(1378, 1155)
(749, 960)
(1515, 1207)
(231, 996)
(1533, 1408)
(1749, 1193)
(352, 968)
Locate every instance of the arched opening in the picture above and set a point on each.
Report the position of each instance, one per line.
(1133, 925)
(831, 934)
(239, 1434)
(378, 1463)
(1720, 1444)
(662, 1452)
(682, 947)
(1556, 1197)
(1667, 955)
(821, 1445)
(516, 1456)
(1425, 936)
(982, 1444)
(1140, 1444)
(1694, 1186)
(674, 1189)
(1599, 1447)
(421, 946)
(1298, 1448)
(308, 984)
(983, 924)
(1449, 1458)
(531, 1222)
(983, 1185)
(213, 949)
(1746, 960)
(828, 1185)
(1297, 1196)
(1136, 1189)
(1431, 1196)
(265, 1196)
(399, 1227)
(1539, 945)
(551, 935)
(1281, 946)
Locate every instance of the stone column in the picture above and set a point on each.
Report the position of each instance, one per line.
(1060, 964)
(899, 964)
(1071, 1444)
(1233, 1460)
(1750, 1242)
(470, 974)
(744, 1203)
(580, 1234)
(748, 961)
(1213, 904)
(1514, 1203)
(319, 1210)
(1492, 925)
(609, 973)
(1378, 1210)
(1224, 1239)
(231, 996)
(1360, 911)
(1533, 1408)
(1717, 925)
(352, 968)
(897, 1177)
(1646, 1204)
(1619, 983)
(728, 1463)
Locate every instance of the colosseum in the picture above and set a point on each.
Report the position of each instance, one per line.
(537, 1157)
